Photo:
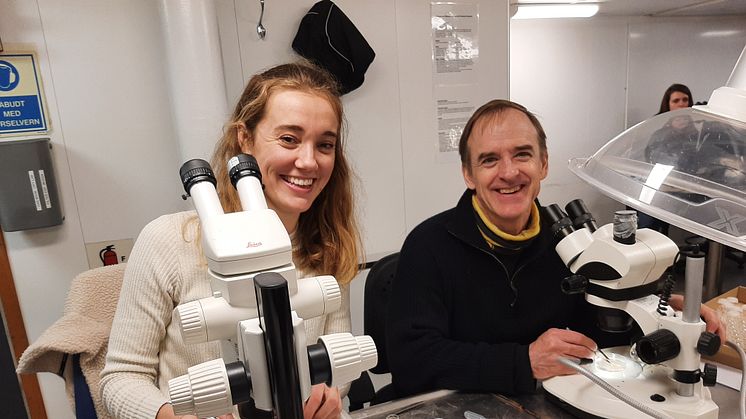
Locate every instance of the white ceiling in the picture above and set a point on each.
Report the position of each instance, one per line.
(658, 7)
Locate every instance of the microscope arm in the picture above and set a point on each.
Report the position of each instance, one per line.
(215, 318)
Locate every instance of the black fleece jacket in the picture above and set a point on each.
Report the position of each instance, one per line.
(458, 320)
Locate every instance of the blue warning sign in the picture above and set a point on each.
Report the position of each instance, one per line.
(21, 106)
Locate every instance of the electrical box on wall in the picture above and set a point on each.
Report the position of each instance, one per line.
(28, 185)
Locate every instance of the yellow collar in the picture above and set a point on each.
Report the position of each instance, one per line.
(531, 231)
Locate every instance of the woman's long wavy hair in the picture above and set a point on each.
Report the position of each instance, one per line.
(327, 239)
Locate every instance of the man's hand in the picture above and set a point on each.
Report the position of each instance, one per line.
(555, 343)
(323, 403)
(709, 315)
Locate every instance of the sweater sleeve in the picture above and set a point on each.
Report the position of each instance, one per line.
(423, 355)
(339, 321)
(128, 381)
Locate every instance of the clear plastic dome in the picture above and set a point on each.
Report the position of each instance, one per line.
(685, 167)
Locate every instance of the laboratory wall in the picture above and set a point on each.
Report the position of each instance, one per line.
(589, 79)
(113, 143)
(392, 125)
(108, 73)
(118, 144)
(697, 52)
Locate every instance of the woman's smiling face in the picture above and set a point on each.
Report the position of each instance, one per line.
(294, 144)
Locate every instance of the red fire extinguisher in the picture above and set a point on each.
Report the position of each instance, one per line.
(108, 256)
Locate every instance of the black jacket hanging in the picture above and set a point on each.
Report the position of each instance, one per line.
(327, 37)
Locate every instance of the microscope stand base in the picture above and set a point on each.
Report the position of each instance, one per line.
(584, 395)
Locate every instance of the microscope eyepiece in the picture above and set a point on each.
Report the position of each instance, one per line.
(561, 224)
(243, 165)
(581, 216)
(195, 171)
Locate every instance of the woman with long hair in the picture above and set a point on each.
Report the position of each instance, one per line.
(290, 119)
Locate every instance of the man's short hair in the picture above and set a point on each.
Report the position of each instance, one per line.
(493, 108)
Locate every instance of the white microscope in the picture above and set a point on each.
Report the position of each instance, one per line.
(258, 305)
(698, 183)
(619, 267)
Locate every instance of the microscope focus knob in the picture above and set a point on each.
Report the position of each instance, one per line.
(204, 390)
(658, 346)
(349, 356)
(574, 284)
(191, 319)
(708, 344)
(709, 375)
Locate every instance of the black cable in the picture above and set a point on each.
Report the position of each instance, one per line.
(667, 290)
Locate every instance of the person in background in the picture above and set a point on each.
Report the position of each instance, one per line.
(673, 144)
(476, 303)
(290, 118)
(677, 96)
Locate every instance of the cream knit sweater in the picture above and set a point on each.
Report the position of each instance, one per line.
(145, 347)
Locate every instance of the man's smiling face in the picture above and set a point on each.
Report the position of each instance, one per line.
(506, 167)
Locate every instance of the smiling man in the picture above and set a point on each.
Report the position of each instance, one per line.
(504, 160)
(476, 303)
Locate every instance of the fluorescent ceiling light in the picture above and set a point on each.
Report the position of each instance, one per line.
(719, 34)
(546, 11)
